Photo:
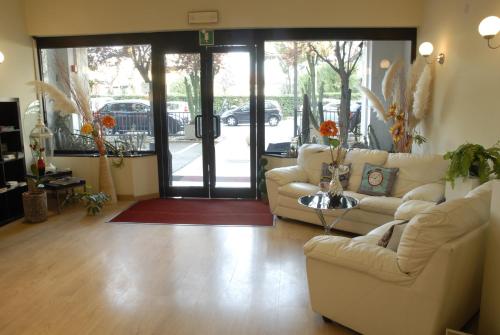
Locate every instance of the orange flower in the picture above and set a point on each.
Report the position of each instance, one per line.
(397, 131)
(87, 128)
(328, 128)
(108, 121)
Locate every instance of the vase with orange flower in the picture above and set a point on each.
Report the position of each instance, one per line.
(94, 125)
(329, 130)
(96, 128)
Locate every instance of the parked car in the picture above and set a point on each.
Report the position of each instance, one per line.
(135, 115)
(241, 114)
(179, 110)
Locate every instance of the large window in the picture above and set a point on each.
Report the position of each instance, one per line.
(329, 74)
(117, 80)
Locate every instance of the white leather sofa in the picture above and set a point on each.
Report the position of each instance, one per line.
(420, 178)
(431, 283)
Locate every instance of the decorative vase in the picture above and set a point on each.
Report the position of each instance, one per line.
(35, 206)
(335, 189)
(106, 184)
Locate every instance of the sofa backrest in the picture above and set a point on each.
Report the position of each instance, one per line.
(416, 170)
(427, 232)
(357, 158)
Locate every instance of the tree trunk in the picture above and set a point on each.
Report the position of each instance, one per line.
(306, 110)
(344, 111)
(190, 100)
(312, 74)
(295, 88)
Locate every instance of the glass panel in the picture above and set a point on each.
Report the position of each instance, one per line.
(117, 80)
(231, 103)
(296, 68)
(182, 83)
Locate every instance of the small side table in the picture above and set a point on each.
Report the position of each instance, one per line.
(64, 185)
(320, 202)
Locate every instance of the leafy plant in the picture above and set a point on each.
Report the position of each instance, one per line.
(262, 178)
(94, 202)
(473, 160)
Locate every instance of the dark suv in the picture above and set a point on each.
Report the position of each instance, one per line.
(235, 116)
(136, 116)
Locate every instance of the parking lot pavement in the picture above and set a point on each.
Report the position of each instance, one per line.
(184, 152)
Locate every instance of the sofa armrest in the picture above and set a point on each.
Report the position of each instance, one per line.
(357, 254)
(286, 175)
(433, 192)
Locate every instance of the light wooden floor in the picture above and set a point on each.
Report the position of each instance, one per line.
(79, 275)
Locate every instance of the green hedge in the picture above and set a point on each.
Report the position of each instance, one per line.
(285, 101)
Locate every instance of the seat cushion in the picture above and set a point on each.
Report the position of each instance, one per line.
(382, 205)
(297, 189)
(358, 158)
(415, 170)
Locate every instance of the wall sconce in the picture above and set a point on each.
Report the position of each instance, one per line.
(385, 63)
(426, 49)
(489, 28)
(2, 57)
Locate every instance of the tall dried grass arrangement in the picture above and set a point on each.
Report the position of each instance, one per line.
(407, 96)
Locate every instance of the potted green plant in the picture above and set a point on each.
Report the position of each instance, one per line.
(93, 202)
(473, 161)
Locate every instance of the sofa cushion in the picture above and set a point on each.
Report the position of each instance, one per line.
(416, 170)
(428, 231)
(382, 205)
(377, 180)
(407, 210)
(311, 158)
(433, 192)
(358, 158)
(297, 189)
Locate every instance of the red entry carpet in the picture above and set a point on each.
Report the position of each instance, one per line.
(198, 211)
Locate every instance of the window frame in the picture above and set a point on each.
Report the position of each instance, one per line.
(180, 41)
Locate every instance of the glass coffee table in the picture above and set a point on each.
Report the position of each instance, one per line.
(320, 202)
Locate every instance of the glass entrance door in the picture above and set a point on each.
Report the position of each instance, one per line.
(211, 116)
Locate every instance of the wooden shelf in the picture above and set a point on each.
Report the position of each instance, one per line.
(11, 203)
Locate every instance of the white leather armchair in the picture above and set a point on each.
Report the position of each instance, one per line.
(431, 283)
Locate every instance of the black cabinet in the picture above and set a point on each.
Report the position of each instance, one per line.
(12, 162)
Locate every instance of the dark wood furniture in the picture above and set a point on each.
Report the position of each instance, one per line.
(11, 169)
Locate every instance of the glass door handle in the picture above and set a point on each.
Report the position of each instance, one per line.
(216, 126)
(198, 126)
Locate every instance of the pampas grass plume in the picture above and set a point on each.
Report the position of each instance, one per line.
(421, 99)
(389, 79)
(376, 103)
(60, 101)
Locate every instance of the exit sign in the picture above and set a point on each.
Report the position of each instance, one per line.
(206, 37)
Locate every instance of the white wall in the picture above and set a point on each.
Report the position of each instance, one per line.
(137, 178)
(18, 67)
(73, 17)
(466, 102)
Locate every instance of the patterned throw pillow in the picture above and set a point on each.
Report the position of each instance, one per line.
(344, 174)
(377, 180)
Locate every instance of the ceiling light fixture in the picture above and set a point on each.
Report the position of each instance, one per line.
(2, 57)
